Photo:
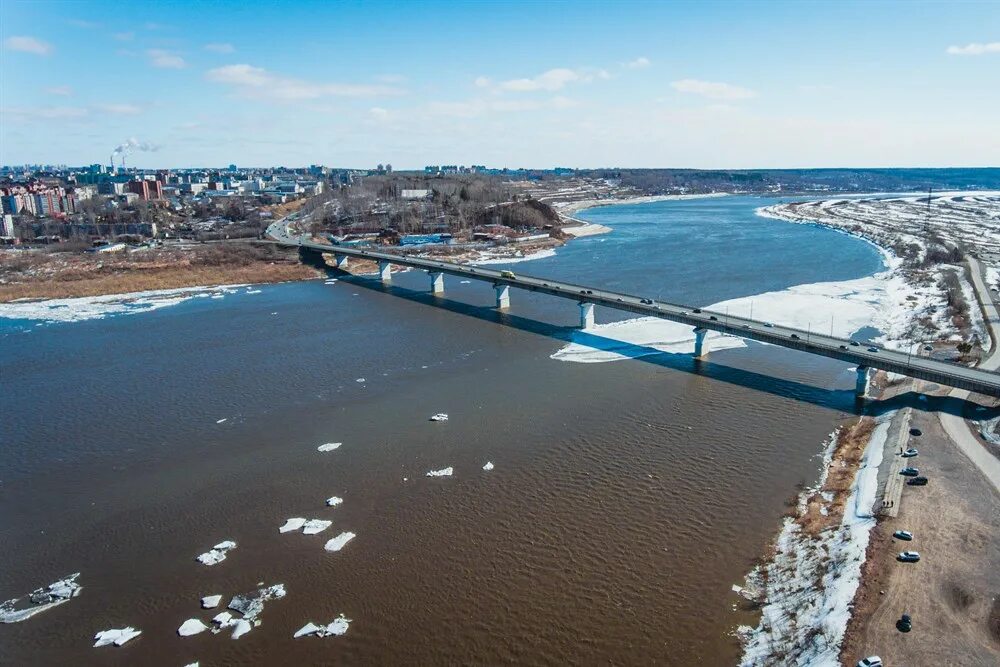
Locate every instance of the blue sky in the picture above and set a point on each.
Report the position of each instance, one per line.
(584, 84)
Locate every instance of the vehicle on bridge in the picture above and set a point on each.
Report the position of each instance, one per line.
(508, 275)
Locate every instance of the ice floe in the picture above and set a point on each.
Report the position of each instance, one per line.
(40, 599)
(338, 542)
(292, 524)
(217, 554)
(192, 626)
(329, 447)
(444, 472)
(439, 417)
(249, 605)
(336, 628)
(488, 466)
(96, 307)
(333, 501)
(211, 601)
(313, 526)
(116, 637)
(219, 421)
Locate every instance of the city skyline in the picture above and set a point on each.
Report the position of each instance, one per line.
(713, 85)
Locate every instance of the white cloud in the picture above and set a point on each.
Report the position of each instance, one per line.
(124, 36)
(483, 82)
(28, 45)
(257, 82)
(638, 63)
(379, 113)
(120, 109)
(48, 113)
(63, 91)
(974, 49)
(165, 59)
(479, 107)
(713, 90)
(551, 80)
(87, 25)
(220, 47)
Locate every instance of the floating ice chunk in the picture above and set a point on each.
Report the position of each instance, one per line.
(464, 282)
(253, 291)
(338, 542)
(193, 664)
(42, 599)
(307, 629)
(116, 637)
(251, 604)
(223, 619)
(313, 526)
(211, 601)
(329, 447)
(333, 501)
(219, 421)
(241, 627)
(292, 524)
(192, 626)
(488, 466)
(217, 554)
(439, 417)
(444, 472)
(337, 627)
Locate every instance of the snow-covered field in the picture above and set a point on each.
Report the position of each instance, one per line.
(97, 307)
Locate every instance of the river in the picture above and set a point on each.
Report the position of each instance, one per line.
(626, 499)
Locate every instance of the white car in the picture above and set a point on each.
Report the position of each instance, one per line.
(908, 557)
(870, 661)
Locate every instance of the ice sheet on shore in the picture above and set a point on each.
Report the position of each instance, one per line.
(444, 472)
(329, 447)
(97, 307)
(809, 586)
(338, 542)
(116, 637)
(514, 259)
(217, 554)
(40, 599)
(336, 628)
(853, 304)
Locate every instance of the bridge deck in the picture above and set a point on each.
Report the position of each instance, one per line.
(952, 375)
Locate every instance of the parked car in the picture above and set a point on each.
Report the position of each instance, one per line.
(909, 453)
(904, 535)
(909, 472)
(908, 557)
(904, 624)
(917, 481)
(870, 661)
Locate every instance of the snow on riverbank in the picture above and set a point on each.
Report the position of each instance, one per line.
(514, 259)
(97, 307)
(810, 584)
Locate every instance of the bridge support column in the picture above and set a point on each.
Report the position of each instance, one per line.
(861, 385)
(341, 261)
(699, 342)
(586, 315)
(385, 271)
(503, 296)
(437, 283)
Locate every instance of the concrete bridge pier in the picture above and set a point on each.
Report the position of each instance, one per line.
(385, 271)
(699, 342)
(503, 296)
(437, 282)
(341, 262)
(861, 385)
(586, 315)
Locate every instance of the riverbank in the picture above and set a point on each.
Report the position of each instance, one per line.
(795, 582)
(38, 275)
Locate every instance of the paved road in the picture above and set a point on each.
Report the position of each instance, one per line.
(956, 427)
(951, 375)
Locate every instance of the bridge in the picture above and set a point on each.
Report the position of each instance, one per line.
(863, 355)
